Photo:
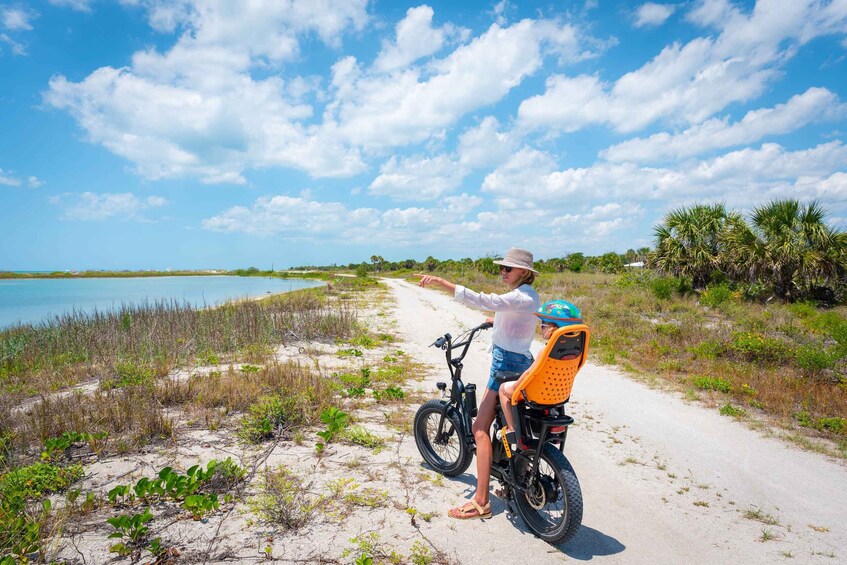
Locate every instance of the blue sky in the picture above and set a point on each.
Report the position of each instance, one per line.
(153, 134)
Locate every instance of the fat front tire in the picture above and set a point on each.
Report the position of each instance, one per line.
(552, 505)
(446, 452)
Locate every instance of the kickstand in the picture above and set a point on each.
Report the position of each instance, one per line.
(507, 495)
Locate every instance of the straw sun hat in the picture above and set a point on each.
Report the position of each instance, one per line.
(520, 258)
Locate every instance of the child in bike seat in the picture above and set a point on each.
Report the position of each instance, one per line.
(554, 314)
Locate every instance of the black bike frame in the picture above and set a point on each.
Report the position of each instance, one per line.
(457, 390)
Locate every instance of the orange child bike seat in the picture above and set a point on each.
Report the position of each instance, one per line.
(550, 381)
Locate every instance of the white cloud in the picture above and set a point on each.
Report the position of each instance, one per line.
(597, 221)
(652, 14)
(91, 206)
(416, 38)
(524, 171)
(499, 11)
(15, 18)
(304, 219)
(712, 12)
(8, 178)
(740, 177)
(816, 104)
(485, 145)
(378, 111)
(427, 178)
(688, 83)
(78, 5)
(16, 47)
(417, 178)
(218, 103)
(196, 111)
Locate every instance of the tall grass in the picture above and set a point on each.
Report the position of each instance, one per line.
(155, 337)
(130, 350)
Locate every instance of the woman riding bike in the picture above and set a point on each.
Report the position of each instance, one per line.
(514, 329)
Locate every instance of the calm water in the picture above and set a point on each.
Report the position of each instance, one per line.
(37, 300)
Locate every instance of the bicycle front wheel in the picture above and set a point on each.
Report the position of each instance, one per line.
(551, 505)
(445, 451)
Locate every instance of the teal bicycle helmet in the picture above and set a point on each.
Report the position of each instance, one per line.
(560, 313)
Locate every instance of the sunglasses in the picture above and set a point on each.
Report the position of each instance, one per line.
(548, 325)
(507, 269)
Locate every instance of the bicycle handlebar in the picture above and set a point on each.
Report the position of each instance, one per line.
(448, 345)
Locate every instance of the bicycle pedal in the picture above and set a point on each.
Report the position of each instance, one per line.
(510, 437)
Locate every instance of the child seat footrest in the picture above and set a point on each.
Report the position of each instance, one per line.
(560, 421)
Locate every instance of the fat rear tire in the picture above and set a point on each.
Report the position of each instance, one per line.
(552, 506)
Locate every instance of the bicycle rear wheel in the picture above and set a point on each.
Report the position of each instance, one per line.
(552, 505)
(446, 452)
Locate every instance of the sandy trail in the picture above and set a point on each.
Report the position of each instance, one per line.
(663, 480)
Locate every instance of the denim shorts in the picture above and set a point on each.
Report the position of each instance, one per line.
(502, 360)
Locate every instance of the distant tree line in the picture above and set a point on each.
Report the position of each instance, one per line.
(576, 262)
(784, 250)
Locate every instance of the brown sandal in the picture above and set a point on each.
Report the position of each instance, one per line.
(470, 511)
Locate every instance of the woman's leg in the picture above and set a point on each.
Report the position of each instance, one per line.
(481, 430)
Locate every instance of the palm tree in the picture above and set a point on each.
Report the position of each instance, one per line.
(688, 242)
(789, 247)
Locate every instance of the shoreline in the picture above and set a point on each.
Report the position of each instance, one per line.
(30, 314)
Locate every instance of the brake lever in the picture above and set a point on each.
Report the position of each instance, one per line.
(440, 341)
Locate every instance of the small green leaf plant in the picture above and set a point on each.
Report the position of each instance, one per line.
(335, 421)
(131, 530)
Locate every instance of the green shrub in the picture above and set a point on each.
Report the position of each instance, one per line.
(226, 474)
(837, 329)
(803, 310)
(360, 436)
(670, 330)
(390, 393)
(365, 341)
(814, 359)
(132, 530)
(664, 288)
(284, 499)
(753, 292)
(715, 295)
(335, 420)
(39, 479)
(707, 349)
(129, 373)
(732, 411)
(712, 383)
(268, 414)
(22, 529)
(835, 425)
(753, 346)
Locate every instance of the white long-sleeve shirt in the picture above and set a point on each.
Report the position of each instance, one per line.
(514, 319)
